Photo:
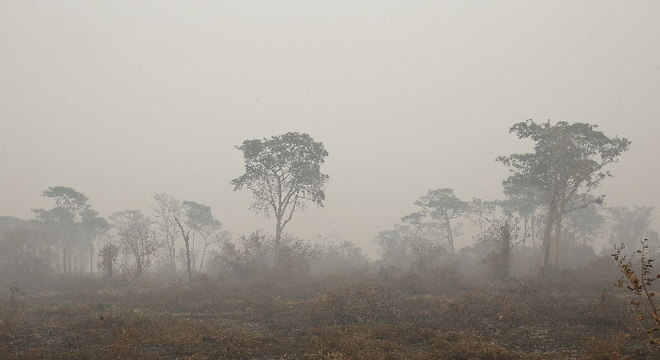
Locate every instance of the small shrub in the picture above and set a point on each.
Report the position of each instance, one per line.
(640, 283)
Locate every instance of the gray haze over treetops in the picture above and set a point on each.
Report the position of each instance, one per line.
(123, 99)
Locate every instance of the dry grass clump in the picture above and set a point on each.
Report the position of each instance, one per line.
(403, 342)
(439, 280)
(362, 304)
(620, 346)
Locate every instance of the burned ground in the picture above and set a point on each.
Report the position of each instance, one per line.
(353, 316)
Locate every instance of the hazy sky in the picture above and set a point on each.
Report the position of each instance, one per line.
(123, 99)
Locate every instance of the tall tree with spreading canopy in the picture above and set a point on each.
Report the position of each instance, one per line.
(283, 173)
(583, 226)
(186, 240)
(167, 210)
(69, 204)
(137, 238)
(567, 164)
(441, 206)
(631, 225)
(525, 200)
(201, 221)
(93, 226)
(67, 198)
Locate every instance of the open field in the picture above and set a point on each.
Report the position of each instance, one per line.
(329, 180)
(356, 316)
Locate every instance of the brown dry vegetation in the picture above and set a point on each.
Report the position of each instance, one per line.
(356, 316)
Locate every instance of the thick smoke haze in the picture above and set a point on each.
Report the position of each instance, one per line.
(122, 99)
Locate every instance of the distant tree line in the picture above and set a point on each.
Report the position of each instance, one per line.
(549, 213)
(181, 237)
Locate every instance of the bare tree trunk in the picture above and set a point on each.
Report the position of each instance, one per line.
(64, 258)
(532, 223)
(554, 261)
(450, 236)
(91, 258)
(525, 228)
(547, 232)
(505, 251)
(138, 267)
(554, 248)
(74, 260)
(69, 259)
(193, 251)
(173, 254)
(201, 262)
(278, 231)
(278, 239)
(186, 239)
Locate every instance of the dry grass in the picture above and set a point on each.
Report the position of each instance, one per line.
(322, 318)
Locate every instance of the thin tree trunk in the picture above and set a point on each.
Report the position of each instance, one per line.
(172, 241)
(186, 239)
(64, 259)
(91, 258)
(547, 232)
(525, 226)
(278, 239)
(193, 253)
(532, 226)
(505, 251)
(201, 262)
(278, 232)
(554, 262)
(450, 236)
(188, 260)
(138, 266)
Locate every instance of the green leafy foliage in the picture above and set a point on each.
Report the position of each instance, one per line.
(283, 173)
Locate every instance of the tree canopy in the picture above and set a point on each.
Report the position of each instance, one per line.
(283, 172)
(441, 205)
(567, 164)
